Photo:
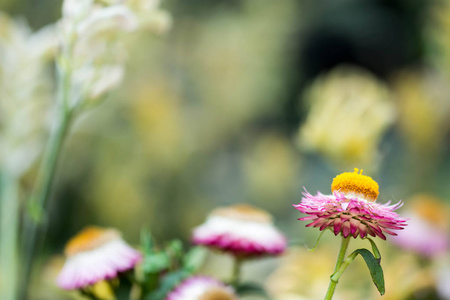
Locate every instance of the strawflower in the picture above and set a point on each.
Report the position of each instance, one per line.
(93, 255)
(351, 211)
(427, 232)
(202, 288)
(242, 230)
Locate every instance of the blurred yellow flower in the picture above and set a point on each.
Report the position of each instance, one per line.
(349, 110)
(303, 275)
(422, 110)
(405, 276)
(157, 117)
(437, 31)
(270, 169)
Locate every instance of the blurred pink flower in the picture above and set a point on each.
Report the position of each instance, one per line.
(241, 230)
(427, 232)
(93, 255)
(201, 288)
(351, 209)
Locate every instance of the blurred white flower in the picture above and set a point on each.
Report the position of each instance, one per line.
(92, 43)
(108, 19)
(25, 92)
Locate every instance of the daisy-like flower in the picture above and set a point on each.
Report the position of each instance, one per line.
(202, 288)
(351, 210)
(427, 232)
(242, 230)
(95, 254)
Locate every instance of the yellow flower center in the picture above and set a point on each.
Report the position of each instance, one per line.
(431, 209)
(243, 212)
(217, 294)
(90, 238)
(356, 184)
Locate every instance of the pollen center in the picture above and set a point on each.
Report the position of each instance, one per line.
(88, 239)
(356, 184)
(217, 294)
(243, 212)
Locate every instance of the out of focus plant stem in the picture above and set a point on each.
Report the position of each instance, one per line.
(9, 209)
(42, 188)
(236, 276)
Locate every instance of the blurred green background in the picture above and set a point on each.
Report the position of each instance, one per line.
(250, 101)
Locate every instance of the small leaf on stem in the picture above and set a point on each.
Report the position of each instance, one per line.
(317, 241)
(374, 267)
(375, 250)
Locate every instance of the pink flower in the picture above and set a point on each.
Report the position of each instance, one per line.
(351, 209)
(93, 255)
(201, 288)
(427, 231)
(241, 230)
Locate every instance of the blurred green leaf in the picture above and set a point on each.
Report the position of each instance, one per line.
(168, 283)
(251, 288)
(155, 262)
(175, 249)
(146, 241)
(193, 260)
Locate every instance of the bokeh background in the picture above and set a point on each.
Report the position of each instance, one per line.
(250, 101)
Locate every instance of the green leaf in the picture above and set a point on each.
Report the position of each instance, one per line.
(375, 250)
(168, 283)
(146, 241)
(317, 241)
(155, 262)
(251, 288)
(175, 248)
(374, 267)
(193, 260)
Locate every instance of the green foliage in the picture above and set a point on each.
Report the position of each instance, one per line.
(251, 288)
(164, 268)
(317, 241)
(168, 283)
(194, 258)
(376, 272)
(155, 262)
(375, 250)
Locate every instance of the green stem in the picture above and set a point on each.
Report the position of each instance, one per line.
(338, 273)
(40, 194)
(236, 276)
(9, 228)
(340, 259)
(42, 188)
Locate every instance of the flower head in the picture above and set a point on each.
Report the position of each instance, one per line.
(427, 233)
(95, 254)
(93, 44)
(25, 90)
(241, 230)
(202, 288)
(351, 209)
(328, 130)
